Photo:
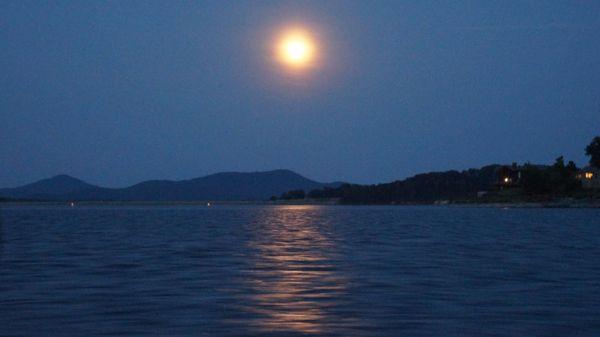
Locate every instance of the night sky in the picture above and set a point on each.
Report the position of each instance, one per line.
(122, 91)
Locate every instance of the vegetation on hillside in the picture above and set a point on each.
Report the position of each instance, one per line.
(593, 151)
(536, 182)
(422, 188)
(558, 179)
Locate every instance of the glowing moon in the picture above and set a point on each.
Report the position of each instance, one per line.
(296, 49)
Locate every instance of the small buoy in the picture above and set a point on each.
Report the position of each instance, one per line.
(72, 204)
(208, 204)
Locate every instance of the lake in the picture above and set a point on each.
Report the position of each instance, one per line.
(298, 271)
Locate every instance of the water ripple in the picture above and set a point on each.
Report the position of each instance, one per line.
(298, 271)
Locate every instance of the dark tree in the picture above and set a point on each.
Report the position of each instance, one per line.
(593, 151)
(572, 167)
(558, 179)
(559, 163)
(534, 180)
(294, 194)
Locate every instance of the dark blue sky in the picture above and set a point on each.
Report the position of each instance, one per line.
(122, 91)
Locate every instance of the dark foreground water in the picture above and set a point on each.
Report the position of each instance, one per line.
(299, 271)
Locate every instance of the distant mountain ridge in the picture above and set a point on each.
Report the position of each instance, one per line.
(234, 186)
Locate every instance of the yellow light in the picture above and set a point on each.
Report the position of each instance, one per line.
(506, 180)
(589, 175)
(296, 49)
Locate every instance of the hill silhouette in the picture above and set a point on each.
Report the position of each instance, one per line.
(233, 186)
(49, 188)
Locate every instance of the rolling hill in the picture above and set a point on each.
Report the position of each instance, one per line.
(234, 186)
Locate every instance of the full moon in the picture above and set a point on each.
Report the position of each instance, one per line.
(296, 49)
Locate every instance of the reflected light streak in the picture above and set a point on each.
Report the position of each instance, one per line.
(294, 279)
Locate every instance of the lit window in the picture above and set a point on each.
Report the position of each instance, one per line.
(589, 175)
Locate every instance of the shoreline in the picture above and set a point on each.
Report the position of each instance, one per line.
(587, 204)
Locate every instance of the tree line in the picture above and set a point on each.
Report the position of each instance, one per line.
(558, 179)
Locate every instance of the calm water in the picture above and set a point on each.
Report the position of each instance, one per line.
(299, 271)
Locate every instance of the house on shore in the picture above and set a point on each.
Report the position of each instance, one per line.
(589, 177)
(509, 176)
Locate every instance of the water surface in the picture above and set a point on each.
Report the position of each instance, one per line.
(298, 271)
